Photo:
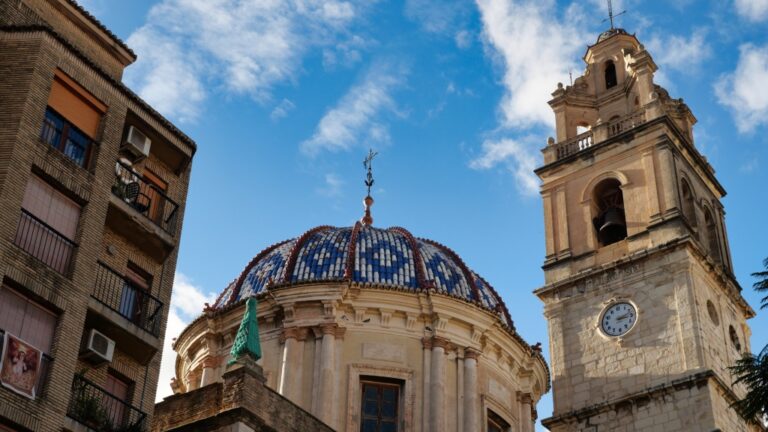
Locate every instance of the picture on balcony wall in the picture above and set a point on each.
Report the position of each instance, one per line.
(19, 365)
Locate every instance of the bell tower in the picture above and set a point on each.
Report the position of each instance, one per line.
(644, 312)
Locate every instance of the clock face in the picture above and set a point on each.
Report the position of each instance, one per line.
(618, 319)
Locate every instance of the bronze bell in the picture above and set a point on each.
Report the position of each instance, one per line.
(613, 227)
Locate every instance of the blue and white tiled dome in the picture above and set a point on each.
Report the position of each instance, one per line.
(363, 254)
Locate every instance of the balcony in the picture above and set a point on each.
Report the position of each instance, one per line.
(44, 243)
(145, 198)
(122, 296)
(596, 135)
(65, 137)
(142, 213)
(94, 407)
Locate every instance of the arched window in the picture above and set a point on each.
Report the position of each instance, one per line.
(610, 222)
(610, 74)
(712, 242)
(688, 207)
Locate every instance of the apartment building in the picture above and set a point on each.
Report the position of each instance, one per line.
(93, 184)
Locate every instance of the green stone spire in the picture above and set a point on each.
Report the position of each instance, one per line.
(247, 338)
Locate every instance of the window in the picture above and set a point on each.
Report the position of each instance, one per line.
(134, 295)
(72, 119)
(610, 75)
(33, 325)
(48, 224)
(734, 338)
(156, 191)
(380, 406)
(496, 423)
(610, 222)
(116, 404)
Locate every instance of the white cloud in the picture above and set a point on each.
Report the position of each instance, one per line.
(680, 53)
(187, 302)
(536, 50)
(434, 16)
(346, 53)
(752, 10)
(355, 119)
(242, 46)
(282, 109)
(463, 39)
(332, 186)
(744, 91)
(515, 156)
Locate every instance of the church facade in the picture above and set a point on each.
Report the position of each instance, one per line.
(371, 329)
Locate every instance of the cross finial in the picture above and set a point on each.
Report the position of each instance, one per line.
(611, 16)
(368, 201)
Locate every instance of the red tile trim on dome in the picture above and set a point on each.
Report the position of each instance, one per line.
(417, 261)
(295, 251)
(250, 265)
(464, 269)
(349, 271)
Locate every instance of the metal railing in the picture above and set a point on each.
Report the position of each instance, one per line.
(99, 410)
(145, 197)
(45, 367)
(62, 135)
(129, 300)
(574, 145)
(44, 243)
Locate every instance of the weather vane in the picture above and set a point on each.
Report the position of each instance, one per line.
(367, 163)
(611, 16)
(368, 201)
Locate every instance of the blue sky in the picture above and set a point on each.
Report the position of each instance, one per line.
(284, 97)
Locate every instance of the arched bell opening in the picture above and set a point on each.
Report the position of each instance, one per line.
(688, 203)
(610, 75)
(610, 221)
(712, 242)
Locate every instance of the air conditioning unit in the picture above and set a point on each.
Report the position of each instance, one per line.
(136, 143)
(98, 348)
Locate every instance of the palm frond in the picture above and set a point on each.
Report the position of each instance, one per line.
(752, 371)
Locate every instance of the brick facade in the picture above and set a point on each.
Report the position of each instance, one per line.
(39, 38)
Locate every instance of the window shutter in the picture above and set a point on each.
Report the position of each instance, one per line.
(76, 105)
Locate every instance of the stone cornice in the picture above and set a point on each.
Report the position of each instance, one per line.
(696, 379)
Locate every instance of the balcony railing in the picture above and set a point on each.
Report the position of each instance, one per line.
(44, 243)
(62, 135)
(598, 134)
(574, 145)
(45, 367)
(99, 410)
(145, 197)
(129, 300)
(625, 123)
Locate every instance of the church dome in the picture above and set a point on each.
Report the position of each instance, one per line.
(388, 258)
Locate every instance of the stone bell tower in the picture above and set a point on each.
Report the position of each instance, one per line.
(644, 311)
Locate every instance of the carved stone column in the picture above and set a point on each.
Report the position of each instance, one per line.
(210, 363)
(425, 404)
(471, 409)
(526, 413)
(327, 373)
(293, 367)
(437, 390)
(668, 184)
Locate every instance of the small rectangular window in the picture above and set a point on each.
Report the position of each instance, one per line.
(380, 402)
(496, 423)
(48, 224)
